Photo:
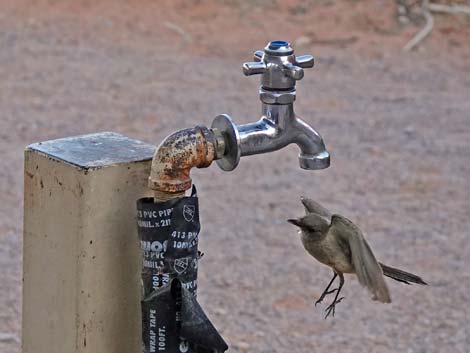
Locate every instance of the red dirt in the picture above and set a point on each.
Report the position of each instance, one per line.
(220, 28)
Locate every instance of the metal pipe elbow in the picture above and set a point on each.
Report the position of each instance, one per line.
(313, 154)
(177, 155)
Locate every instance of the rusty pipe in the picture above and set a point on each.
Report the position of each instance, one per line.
(178, 154)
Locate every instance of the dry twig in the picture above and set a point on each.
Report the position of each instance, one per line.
(425, 31)
(426, 9)
(453, 8)
(174, 27)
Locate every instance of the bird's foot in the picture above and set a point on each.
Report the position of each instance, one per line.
(331, 308)
(324, 294)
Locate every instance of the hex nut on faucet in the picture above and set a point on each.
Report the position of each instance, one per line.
(276, 97)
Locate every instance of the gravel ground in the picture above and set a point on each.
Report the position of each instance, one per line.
(397, 127)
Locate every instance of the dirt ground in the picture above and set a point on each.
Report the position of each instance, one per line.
(397, 126)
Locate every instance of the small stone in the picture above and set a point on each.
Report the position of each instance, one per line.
(220, 311)
(303, 40)
(241, 345)
(409, 130)
(8, 337)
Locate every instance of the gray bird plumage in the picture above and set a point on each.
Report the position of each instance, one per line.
(312, 206)
(337, 242)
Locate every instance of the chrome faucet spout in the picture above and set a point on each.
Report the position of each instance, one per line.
(313, 154)
(259, 137)
(267, 134)
(278, 125)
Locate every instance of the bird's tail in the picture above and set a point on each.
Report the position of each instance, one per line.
(401, 276)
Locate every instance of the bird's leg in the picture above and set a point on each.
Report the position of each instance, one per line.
(326, 292)
(331, 308)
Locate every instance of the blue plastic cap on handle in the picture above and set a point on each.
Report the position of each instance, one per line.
(276, 44)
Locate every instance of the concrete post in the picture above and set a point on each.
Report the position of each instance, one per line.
(81, 260)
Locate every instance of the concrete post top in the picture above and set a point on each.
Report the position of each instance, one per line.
(96, 150)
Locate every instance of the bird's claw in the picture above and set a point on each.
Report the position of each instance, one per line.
(331, 308)
(324, 295)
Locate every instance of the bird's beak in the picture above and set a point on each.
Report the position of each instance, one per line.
(295, 222)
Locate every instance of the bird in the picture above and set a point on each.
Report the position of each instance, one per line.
(337, 242)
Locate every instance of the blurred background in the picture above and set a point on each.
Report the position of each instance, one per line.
(397, 124)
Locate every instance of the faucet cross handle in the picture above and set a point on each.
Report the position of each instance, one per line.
(278, 65)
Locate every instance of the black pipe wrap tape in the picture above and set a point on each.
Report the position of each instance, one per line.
(168, 233)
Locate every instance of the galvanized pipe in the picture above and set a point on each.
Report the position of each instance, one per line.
(177, 155)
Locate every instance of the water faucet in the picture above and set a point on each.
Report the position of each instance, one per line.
(278, 125)
(226, 141)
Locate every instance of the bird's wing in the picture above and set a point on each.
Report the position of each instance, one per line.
(367, 268)
(312, 206)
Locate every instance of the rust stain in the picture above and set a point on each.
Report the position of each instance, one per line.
(84, 335)
(58, 181)
(177, 155)
(80, 189)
